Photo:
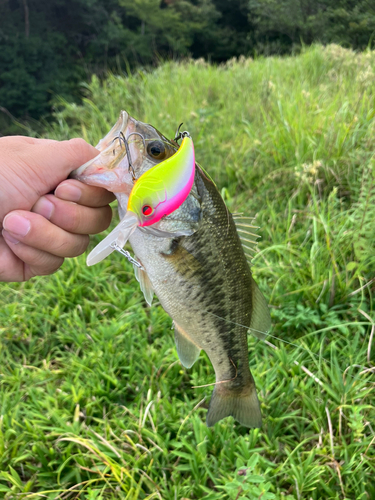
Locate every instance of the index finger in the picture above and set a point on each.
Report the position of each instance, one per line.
(90, 196)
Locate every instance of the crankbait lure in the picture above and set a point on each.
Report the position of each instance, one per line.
(157, 193)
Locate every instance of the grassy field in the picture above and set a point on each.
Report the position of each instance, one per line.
(94, 402)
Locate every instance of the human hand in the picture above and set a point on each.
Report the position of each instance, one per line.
(40, 229)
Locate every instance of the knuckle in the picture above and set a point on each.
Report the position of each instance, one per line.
(11, 267)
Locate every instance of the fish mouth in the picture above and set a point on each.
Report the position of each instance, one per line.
(123, 155)
(110, 169)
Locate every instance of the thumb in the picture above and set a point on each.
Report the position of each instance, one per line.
(60, 158)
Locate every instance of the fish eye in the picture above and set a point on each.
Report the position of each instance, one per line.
(156, 149)
(147, 210)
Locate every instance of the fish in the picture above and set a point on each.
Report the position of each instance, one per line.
(196, 261)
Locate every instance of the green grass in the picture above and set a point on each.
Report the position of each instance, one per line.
(94, 402)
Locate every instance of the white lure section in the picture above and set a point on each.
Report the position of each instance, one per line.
(118, 237)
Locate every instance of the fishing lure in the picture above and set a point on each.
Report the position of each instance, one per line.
(157, 193)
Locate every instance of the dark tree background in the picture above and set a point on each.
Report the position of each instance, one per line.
(49, 47)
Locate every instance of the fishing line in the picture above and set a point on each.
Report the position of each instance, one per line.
(221, 381)
(253, 329)
(292, 343)
(297, 346)
(247, 328)
(122, 139)
(366, 369)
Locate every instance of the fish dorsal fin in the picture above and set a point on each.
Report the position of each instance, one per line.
(187, 350)
(245, 230)
(145, 284)
(260, 322)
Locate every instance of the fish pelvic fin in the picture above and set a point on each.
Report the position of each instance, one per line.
(243, 407)
(187, 350)
(145, 284)
(260, 323)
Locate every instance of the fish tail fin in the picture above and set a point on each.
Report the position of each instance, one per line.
(243, 406)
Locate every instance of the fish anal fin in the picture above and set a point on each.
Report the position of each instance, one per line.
(145, 284)
(187, 350)
(260, 322)
(243, 406)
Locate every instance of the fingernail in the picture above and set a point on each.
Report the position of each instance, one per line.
(8, 237)
(16, 224)
(68, 192)
(44, 207)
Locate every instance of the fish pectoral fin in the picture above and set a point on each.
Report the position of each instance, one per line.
(243, 407)
(187, 350)
(260, 323)
(145, 284)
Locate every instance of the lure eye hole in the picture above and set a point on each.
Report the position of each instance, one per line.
(147, 210)
(156, 149)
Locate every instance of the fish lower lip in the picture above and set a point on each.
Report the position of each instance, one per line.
(107, 171)
(108, 180)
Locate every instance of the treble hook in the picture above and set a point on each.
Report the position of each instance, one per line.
(122, 138)
(180, 135)
(119, 138)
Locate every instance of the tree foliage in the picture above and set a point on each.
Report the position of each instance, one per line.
(48, 48)
(280, 25)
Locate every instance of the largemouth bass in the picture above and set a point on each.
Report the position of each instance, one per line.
(195, 263)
